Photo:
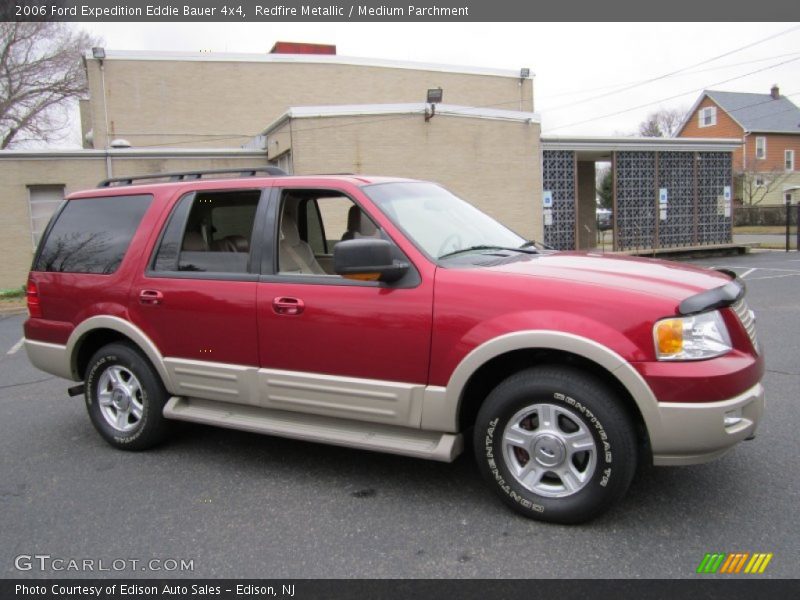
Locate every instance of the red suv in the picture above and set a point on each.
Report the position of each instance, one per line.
(389, 315)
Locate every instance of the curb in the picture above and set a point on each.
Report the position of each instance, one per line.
(12, 310)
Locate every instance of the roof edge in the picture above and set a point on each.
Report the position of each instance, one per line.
(79, 153)
(359, 110)
(639, 143)
(145, 55)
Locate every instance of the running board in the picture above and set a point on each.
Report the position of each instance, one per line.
(430, 445)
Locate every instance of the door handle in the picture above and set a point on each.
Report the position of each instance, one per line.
(151, 297)
(284, 305)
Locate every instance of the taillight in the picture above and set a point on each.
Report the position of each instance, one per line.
(34, 308)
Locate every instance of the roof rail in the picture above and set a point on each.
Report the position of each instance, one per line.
(188, 175)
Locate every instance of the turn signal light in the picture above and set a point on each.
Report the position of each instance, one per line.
(669, 334)
(362, 276)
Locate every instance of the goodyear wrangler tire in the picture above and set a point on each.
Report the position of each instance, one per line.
(555, 444)
(125, 398)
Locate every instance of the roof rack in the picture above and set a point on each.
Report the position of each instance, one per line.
(189, 175)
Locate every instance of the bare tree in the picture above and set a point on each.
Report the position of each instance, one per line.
(662, 123)
(40, 72)
(755, 185)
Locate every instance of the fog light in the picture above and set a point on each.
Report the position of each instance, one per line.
(732, 417)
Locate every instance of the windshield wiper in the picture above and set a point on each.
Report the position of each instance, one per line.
(521, 249)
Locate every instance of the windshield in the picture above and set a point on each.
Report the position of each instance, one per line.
(439, 222)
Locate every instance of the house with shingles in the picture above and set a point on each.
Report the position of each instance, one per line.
(767, 162)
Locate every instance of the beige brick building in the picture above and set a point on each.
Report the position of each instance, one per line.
(187, 111)
(222, 100)
(489, 157)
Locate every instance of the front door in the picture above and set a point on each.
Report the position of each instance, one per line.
(333, 346)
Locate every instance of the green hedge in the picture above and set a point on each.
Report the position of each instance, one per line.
(13, 293)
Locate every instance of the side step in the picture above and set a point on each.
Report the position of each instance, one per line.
(443, 447)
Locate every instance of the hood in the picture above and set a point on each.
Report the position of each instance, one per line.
(660, 278)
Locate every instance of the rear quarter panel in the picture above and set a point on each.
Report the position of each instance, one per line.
(67, 299)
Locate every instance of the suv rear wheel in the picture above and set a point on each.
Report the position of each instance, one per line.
(555, 444)
(125, 398)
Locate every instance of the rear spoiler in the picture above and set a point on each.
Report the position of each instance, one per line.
(715, 298)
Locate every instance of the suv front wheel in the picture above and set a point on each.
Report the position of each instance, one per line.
(556, 444)
(125, 398)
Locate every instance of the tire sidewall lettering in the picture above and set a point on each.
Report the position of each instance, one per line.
(603, 472)
(96, 370)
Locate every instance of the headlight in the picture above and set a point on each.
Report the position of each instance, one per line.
(691, 338)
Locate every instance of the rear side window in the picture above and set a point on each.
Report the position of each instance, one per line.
(210, 232)
(91, 235)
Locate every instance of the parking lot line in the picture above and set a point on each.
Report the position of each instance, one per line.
(746, 273)
(15, 348)
(795, 274)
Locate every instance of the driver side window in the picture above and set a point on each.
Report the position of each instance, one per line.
(312, 222)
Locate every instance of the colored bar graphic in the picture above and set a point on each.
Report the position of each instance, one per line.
(711, 563)
(758, 564)
(733, 563)
(742, 561)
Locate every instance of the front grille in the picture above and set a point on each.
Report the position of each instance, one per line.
(748, 320)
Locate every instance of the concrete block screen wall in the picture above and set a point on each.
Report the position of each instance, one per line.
(672, 199)
(668, 193)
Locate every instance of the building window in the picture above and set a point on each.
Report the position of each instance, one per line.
(43, 200)
(708, 116)
(760, 181)
(761, 147)
(788, 159)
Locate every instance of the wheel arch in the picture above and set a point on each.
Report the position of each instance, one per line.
(95, 332)
(491, 362)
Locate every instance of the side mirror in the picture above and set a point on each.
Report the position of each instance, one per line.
(367, 259)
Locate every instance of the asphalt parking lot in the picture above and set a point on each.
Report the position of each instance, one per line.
(242, 505)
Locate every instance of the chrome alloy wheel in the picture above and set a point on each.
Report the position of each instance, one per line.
(549, 450)
(119, 395)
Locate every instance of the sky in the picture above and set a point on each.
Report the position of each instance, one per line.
(583, 72)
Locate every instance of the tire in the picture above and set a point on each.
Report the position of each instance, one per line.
(125, 398)
(555, 444)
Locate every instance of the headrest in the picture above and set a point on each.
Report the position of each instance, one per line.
(289, 232)
(193, 242)
(353, 218)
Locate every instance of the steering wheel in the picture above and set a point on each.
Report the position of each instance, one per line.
(454, 239)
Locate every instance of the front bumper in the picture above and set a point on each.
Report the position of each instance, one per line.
(693, 433)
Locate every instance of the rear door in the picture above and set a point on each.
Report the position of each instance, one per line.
(197, 298)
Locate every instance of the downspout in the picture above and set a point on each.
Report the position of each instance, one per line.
(744, 170)
(744, 150)
(109, 170)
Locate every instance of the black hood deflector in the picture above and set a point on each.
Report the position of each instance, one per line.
(715, 298)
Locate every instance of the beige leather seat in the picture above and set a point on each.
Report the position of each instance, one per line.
(193, 242)
(231, 243)
(295, 255)
(358, 225)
